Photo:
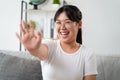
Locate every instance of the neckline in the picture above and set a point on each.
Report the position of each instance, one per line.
(74, 53)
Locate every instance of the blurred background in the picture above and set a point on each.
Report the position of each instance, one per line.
(101, 23)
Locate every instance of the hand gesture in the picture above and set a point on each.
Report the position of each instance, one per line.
(29, 39)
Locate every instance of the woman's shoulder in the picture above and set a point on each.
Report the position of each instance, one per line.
(83, 47)
(87, 50)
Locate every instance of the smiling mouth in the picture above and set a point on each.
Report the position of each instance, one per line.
(64, 34)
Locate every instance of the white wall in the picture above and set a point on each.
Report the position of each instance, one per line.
(101, 28)
(9, 21)
(100, 24)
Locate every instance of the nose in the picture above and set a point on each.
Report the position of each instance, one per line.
(62, 26)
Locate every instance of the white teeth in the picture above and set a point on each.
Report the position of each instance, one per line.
(63, 33)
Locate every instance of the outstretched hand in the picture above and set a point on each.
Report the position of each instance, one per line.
(29, 39)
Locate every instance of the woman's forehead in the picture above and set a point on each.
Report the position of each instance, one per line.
(63, 16)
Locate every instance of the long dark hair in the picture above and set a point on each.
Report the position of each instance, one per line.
(74, 14)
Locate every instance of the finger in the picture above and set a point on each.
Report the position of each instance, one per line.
(18, 37)
(39, 37)
(24, 26)
(21, 28)
(31, 25)
(31, 30)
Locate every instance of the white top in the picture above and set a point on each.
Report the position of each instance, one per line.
(60, 65)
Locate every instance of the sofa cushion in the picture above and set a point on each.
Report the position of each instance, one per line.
(17, 68)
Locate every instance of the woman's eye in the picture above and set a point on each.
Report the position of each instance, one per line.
(57, 22)
(68, 21)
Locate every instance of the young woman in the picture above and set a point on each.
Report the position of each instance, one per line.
(65, 58)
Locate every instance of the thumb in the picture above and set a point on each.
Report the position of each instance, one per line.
(39, 37)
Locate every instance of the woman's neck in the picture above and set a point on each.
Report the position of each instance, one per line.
(70, 47)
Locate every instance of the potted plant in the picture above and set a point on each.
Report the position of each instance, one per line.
(56, 4)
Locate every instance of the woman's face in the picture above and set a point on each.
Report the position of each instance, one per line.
(66, 29)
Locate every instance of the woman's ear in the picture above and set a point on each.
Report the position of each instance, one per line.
(80, 24)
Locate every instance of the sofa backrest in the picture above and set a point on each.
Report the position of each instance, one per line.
(108, 67)
(19, 68)
(22, 66)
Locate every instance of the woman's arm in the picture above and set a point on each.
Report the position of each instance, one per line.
(90, 77)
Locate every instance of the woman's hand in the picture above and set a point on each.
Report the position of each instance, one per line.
(32, 41)
(29, 39)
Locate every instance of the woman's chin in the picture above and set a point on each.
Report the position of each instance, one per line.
(64, 39)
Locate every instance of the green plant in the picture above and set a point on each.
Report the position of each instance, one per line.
(56, 1)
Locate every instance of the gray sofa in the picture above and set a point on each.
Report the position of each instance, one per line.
(19, 66)
(22, 66)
